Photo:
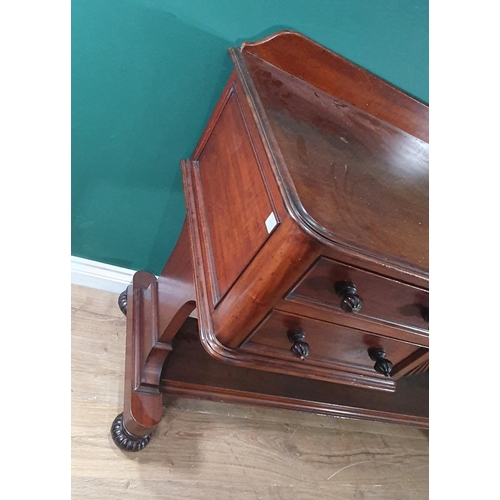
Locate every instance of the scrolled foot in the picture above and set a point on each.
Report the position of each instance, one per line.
(122, 302)
(123, 439)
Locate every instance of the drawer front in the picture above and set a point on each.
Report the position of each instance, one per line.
(330, 346)
(328, 285)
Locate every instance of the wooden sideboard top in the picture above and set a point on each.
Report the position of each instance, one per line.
(350, 150)
(302, 57)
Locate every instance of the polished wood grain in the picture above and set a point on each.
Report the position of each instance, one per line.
(417, 363)
(383, 299)
(235, 197)
(257, 125)
(313, 309)
(192, 372)
(355, 179)
(204, 449)
(156, 309)
(269, 276)
(330, 72)
(290, 189)
(342, 349)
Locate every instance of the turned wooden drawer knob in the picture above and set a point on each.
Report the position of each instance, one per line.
(425, 314)
(300, 348)
(382, 365)
(347, 292)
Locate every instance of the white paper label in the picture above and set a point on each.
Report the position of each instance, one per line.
(271, 222)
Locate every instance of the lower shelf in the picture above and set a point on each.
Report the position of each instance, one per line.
(190, 371)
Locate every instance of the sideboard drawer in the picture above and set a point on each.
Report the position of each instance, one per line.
(329, 284)
(344, 350)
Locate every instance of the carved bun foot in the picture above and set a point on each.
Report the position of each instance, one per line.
(123, 439)
(122, 301)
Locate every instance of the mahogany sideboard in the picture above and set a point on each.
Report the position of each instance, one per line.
(304, 251)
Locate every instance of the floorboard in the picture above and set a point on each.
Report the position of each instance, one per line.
(203, 449)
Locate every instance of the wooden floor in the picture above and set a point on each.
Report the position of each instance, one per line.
(206, 450)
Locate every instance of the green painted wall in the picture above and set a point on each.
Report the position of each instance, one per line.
(146, 75)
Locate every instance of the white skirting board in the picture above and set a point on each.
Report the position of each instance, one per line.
(93, 274)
